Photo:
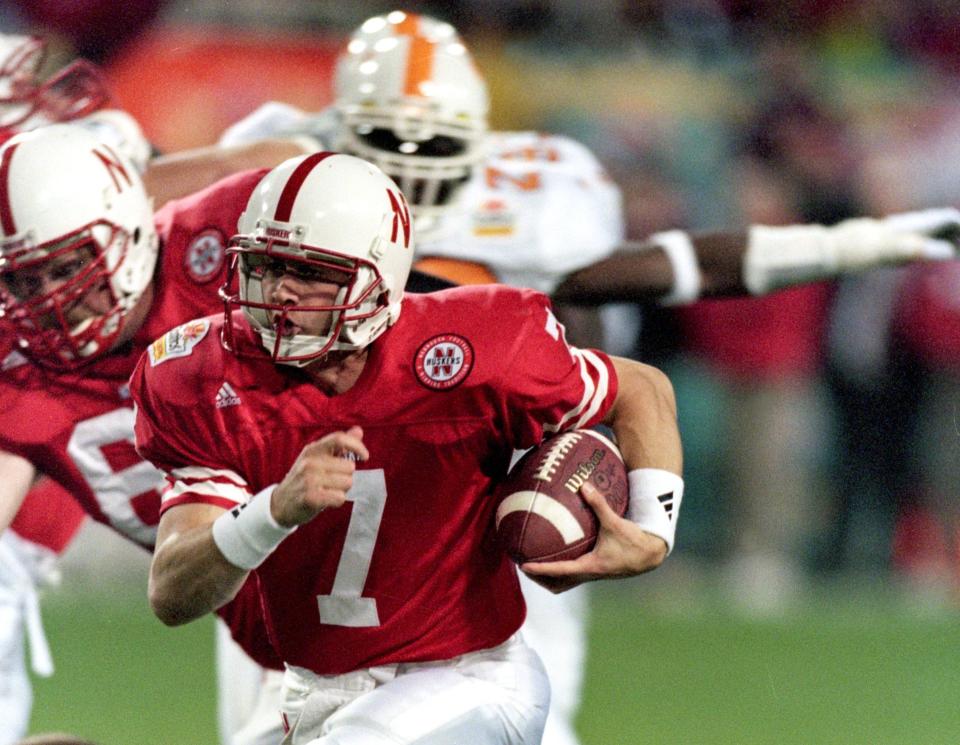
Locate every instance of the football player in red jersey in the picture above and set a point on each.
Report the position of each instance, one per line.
(396, 614)
(88, 276)
(43, 520)
(537, 210)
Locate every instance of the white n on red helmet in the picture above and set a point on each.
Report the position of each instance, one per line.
(61, 189)
(325, 210)
(26, 102)
(412, 101)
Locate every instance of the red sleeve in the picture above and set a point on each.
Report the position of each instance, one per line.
(552, 386)
(49, 516)
(168, 428)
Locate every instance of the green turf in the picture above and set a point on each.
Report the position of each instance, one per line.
(123, 678)
(844, 671)
(838, 672)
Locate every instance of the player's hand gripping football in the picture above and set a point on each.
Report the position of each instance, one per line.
(319, 478)
(623, 549)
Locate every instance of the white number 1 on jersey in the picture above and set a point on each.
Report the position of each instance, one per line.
(344, 606)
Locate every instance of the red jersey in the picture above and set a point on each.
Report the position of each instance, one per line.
(77, 427)
(48, 516)
(928, 314)
(408, 569)
(767, 338)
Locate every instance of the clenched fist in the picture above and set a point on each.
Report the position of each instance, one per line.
(319, 478)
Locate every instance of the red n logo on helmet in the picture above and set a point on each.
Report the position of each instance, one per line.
(401, 218)
(111, 162)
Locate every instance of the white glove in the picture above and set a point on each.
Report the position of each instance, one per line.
(120, 131)
(939, 227)
(784, 256)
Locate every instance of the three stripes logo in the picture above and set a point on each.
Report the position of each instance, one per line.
(226, 396)
(666, 501)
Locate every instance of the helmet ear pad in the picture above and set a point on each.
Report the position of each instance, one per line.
(326, 212)
(65, 190)
(411, 100)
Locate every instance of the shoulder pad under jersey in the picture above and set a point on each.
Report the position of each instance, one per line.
(538, 208)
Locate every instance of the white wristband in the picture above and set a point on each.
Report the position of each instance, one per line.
(654, 504)
(687, 279)
(248, 534)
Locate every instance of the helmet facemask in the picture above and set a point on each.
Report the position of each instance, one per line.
(359, 312)
(25, 103)
(319, 222)
(410, 99)
(68, 196)
(86, 261)
(428, 160)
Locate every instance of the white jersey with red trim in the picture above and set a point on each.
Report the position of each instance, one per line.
(537, 208)
(409, 569)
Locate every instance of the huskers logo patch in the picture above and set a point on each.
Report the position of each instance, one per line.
(443, 362)
(178, 342)
(205, 254)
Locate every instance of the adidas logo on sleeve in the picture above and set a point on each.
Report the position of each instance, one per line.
(226, 396)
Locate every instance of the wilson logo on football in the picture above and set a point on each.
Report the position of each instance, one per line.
(205, 255)
(443, 362)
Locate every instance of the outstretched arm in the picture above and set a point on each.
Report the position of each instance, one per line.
(675, 267)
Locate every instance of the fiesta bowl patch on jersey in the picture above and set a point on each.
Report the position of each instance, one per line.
(178, 342)
(443, 362)
(205, 255)
(541, 515)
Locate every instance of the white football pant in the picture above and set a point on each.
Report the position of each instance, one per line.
(495, 696)
(248, 696)
(556, 627)
(23, 566)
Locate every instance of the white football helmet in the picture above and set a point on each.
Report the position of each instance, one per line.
(61, 190)
(331, 211)
(26, 103)
(412, 101)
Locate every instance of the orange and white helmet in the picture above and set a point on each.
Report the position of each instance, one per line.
(61, 191)
(412, 101)
(325, 211)
(26, 103)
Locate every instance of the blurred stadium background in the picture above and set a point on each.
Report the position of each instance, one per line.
(813, 595)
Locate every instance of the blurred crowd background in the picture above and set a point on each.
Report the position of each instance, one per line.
(820, 423)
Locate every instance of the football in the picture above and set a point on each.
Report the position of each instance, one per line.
(540, 513)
